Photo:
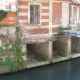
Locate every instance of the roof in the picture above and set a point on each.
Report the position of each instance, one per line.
(37, 38)
(76, 1)
(72, 33)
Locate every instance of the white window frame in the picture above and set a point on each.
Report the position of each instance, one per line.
(29, 11)
(74, 26)
(72, 10)
(78, 13)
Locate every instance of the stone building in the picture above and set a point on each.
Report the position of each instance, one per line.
(39, 22)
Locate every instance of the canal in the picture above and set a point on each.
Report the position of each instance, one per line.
(67, 70)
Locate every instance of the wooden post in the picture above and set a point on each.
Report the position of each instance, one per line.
(50, 16)
(50, 30)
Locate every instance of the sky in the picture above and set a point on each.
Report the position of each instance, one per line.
(11, 2)
(8, 0)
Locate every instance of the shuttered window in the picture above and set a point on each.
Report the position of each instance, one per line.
(35, 14)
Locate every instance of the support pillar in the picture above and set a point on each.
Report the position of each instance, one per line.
(50, 30)
(23, 45)
(63, 45)
(69, 47)
(50, 16)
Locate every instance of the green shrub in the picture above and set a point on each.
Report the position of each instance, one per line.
(11, 54)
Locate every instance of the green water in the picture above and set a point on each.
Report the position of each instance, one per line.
(68, 70)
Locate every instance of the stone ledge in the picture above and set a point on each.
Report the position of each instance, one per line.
(37, 64)
(75, 55)
(40, 38)
(60, 59)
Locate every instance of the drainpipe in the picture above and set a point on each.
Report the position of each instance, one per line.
(50, 16)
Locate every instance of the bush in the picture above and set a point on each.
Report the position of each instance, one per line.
(11, 54)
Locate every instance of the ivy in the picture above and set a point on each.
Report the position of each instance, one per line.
(13, 60)
(60, 31)
(3, 14)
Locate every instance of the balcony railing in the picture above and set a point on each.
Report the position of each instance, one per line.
(75, 29)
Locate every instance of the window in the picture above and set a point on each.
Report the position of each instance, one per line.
(74, 15)
(74, 12)
(35, 14)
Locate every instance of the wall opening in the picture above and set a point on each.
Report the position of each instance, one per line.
(60, 48)
(32, 55)
(75, 45)
(56, 50)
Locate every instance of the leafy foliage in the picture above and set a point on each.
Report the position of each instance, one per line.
(3, 14)
(11, 54)
(60, 31)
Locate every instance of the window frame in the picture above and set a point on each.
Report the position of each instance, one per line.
(29, 12)
(73, 22)
(74, 6)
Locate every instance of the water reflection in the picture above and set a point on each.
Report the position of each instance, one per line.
(68, 70)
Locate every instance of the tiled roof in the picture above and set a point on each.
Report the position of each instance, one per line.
(37, 38)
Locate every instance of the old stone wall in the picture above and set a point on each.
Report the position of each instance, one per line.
(62, 45)
(8, 30)
(42, 50)
(75, 44)
(12, 57)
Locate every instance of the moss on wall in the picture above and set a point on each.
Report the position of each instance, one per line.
(11, 55)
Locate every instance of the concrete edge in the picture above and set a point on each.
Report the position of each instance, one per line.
(37, 64)
(75, 55)
(60, 59)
